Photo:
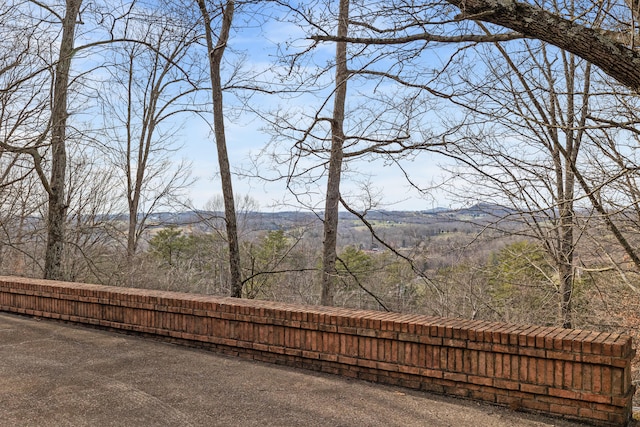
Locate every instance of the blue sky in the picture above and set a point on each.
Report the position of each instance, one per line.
(246, 137)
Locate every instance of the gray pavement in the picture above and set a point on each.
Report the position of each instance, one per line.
(56, 374)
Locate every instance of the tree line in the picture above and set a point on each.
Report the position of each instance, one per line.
(534, 106)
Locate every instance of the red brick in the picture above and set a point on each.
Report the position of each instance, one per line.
(524, 369)
(367, 363)
(495, 334)
(596, 398)
(567, 341)
(448, 324)
(567, 379)
(498, 366)
(474, 379)
(533, 388)
(586, 341)
(559, 339)
(563, 409)
(459, 360)
(510, 335)
(617, 381)
(453, 376)
(565, 394)
(409, 355)
(424, 355)
(587, 375)
(380, 352)
(596, 379)
(605, 407)
(535, 405)
(482, 363)
(624, 347)
(471, 362)
(506, 366)
(523, 336)
(622, 402)
(547, 373)
(450, 361)
(558, 370)
(607, 380)
(331, 342)
(536, 337)
(361, 344)
(593, 414)
(550, 338)
(598, 344)
(506, 384)
(395, 351)
(388, 352)
(431, 373)
(271, 332)
(444, 356)
(484, 333)
(619, 418)
(384, 366)
(559, 355)
(433, 357)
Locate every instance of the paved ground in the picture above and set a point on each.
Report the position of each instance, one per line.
(54, 374)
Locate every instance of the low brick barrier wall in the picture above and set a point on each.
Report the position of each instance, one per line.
(575, 374)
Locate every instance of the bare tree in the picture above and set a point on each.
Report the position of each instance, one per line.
(525, 132)
(610, 176)
(335, 129)
(332, 198)
(215, 53)
(410, 27)
(156, 83)
(24, 88)
(57, 210)
(50, 131)
(92, 196)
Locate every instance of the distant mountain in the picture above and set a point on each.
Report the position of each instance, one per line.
(288, 219)
(485, 210)
(435, 211)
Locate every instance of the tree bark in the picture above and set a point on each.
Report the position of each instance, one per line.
(57, 209)
(329, 254)
(216, 53)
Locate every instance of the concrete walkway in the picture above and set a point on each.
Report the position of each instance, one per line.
(55, 374)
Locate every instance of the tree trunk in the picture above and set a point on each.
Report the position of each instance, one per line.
(216, 53)
(332, 201)
(57, 210)
(566, 245)
(132, 195)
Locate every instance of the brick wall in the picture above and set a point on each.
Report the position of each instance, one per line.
(575, 374)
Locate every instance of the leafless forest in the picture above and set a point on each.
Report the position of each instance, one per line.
(533, 105)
